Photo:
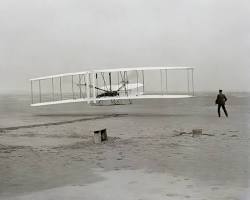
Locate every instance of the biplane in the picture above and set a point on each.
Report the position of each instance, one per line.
(113, 85)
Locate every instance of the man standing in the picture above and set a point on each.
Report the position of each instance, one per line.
(221, 100)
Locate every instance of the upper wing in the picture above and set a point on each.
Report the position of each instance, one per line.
(132, 83)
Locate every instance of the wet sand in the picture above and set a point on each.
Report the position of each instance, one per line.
(145, 157)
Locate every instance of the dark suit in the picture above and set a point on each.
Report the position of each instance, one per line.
(221, 100)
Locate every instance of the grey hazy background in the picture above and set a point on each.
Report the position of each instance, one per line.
(41, 37)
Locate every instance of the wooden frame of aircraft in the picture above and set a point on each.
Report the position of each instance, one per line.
(107, 85)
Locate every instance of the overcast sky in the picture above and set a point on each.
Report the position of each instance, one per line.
(42, 37)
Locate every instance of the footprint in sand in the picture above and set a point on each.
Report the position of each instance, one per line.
(172, 182)
(233, 131)
(132, 182)
(234, 135)
(233, 198)
(215, 188)
(99, 165)
(189, 186)
(172, 195)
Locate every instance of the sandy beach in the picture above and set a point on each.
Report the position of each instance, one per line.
(48, 152)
